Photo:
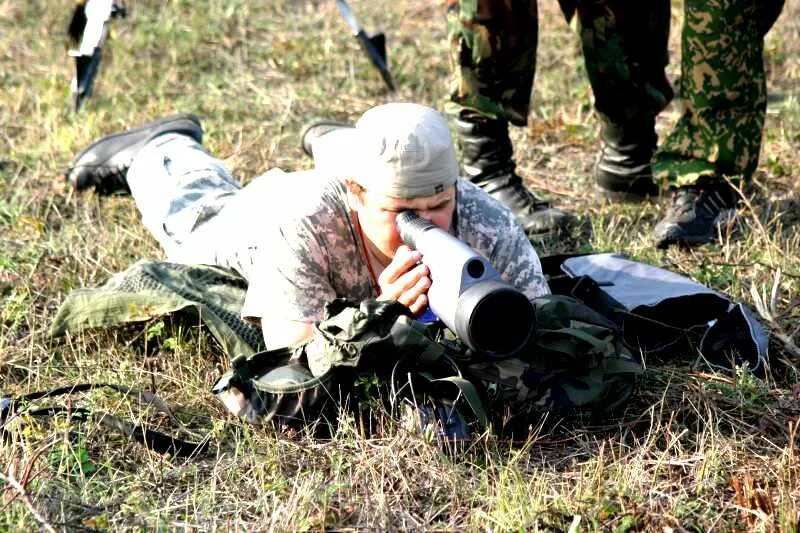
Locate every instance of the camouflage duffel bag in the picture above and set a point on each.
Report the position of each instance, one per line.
(288, 384)
(575, 360)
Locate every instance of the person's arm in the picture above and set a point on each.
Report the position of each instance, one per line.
(518, 263)
(491, 228)
(290, 284)
(404, 280)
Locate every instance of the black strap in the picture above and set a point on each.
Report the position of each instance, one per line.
(247, 368)
(157, 441)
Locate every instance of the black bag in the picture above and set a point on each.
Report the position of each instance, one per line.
(661, 312)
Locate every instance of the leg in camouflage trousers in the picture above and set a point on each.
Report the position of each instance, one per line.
(493, 48)
(493, 59)
(724, 97)
(722, 89)
(624, 45)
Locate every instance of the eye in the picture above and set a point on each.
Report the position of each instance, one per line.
(440, 206)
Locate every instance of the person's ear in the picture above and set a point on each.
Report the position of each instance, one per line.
(356, 190)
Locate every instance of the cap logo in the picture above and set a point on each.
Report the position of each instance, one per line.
(438, 188)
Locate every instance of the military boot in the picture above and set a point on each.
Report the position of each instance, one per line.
(488, 162)
(697, 213)
(623, 170)
(104, 164)
(316, 129)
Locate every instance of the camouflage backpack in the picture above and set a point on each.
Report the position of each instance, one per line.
(575, 360)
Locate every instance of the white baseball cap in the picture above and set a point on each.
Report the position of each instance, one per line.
(402, 150)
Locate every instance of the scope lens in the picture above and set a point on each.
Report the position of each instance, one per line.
(494, 318)
(501, 323)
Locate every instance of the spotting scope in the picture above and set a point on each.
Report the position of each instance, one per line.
(467, 294)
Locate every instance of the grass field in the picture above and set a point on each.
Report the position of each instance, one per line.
(694, 449)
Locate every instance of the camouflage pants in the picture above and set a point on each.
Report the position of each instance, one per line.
(722, 86)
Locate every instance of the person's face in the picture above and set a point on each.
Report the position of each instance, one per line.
(377, 214)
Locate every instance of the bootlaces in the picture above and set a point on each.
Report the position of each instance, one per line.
(708, 201)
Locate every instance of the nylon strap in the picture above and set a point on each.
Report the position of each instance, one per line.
(470, 394)
(155, 440)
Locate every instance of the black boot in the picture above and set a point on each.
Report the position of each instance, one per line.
(698, 213)
(104, 164)
(316, 129)
(623, 169)
(488, 162)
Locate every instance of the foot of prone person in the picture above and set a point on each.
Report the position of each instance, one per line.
(104, 164)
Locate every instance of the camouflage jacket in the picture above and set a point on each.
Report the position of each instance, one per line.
(314, 252)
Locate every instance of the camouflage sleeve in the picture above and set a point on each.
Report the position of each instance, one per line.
(310, 255)
(491, 229)
(291, 278)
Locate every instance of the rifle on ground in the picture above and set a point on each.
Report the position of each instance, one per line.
(88, 29)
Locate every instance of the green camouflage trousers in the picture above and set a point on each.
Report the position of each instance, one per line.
(722, 86)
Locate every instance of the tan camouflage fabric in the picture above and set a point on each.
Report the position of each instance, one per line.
(315, 255)
(722, 87)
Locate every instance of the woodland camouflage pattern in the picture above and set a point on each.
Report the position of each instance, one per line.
(723, 85)
(577, 360)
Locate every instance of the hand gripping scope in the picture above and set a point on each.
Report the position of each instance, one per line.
(467, 293)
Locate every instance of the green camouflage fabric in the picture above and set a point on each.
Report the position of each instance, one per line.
(371, 334)
(152, 289)
(577, 361)
(625, 52)
(492, 56)
(722, 87)
(723, 90)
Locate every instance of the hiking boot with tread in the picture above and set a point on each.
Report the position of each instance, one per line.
(697, 213)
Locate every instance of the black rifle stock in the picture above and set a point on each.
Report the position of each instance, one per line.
(467, 293)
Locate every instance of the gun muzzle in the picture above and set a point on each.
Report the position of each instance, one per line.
(468, 295)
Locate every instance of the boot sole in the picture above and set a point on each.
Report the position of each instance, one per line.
(158, 124)
(306, 129)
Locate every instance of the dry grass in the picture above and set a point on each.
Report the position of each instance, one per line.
(693, 450)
